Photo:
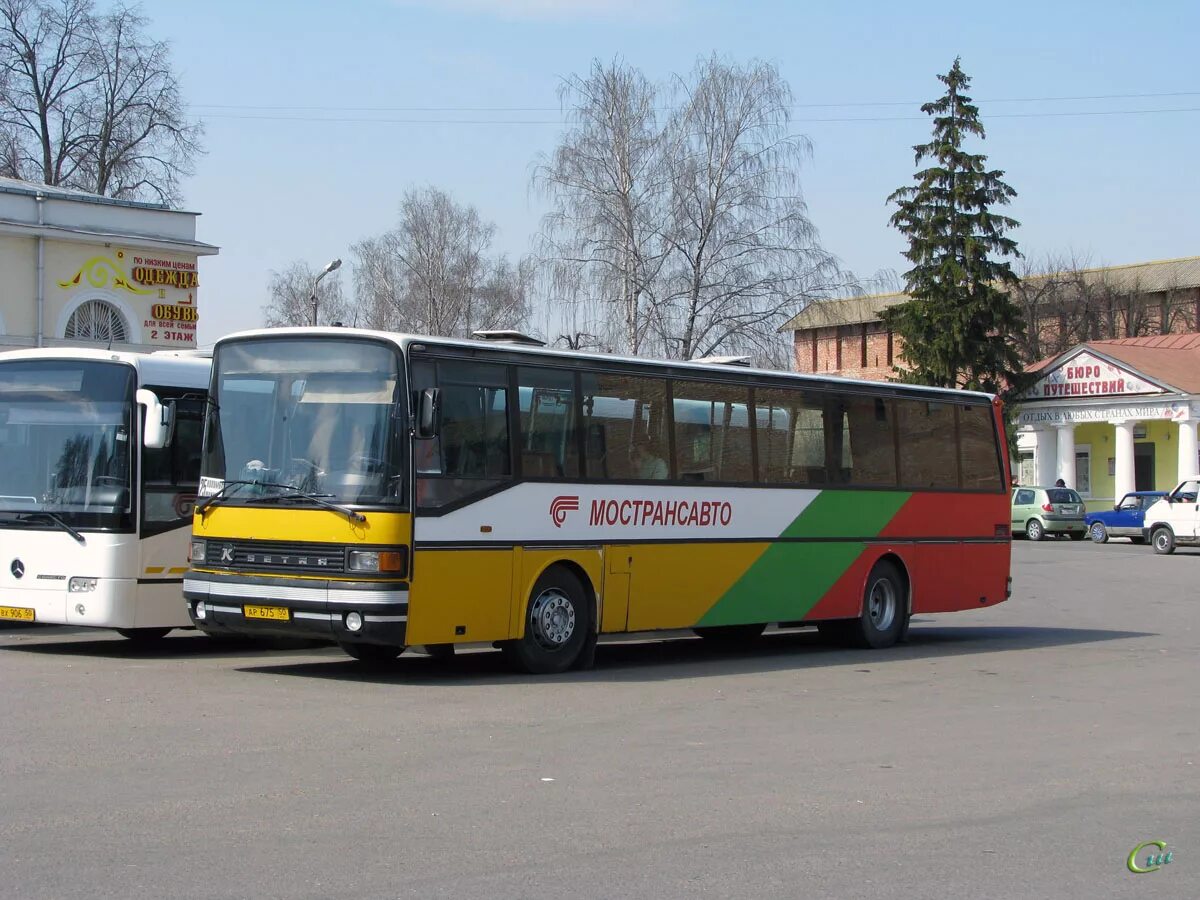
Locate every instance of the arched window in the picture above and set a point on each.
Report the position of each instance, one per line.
(97, 320)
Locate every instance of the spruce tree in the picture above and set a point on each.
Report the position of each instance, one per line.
(960, 325)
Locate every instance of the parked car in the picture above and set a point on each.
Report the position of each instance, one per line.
(1175, 518)
(1041, 511)
(1125, 519)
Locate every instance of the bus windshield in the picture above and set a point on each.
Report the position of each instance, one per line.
(65, 436)
(316, 415)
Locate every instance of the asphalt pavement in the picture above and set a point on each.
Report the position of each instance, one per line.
(1018, 751)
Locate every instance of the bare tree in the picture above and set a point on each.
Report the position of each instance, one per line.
(88, 101)
(291, 292)
(608, 189)
(1065, 301)
(744, 255)
(432, 273)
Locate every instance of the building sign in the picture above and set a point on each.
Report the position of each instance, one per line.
(174, 313)
(1086, 375)
(165, 273)
(1172, 412)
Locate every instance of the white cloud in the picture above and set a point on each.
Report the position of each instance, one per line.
(558, 10)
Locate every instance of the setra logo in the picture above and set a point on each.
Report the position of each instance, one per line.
(1153, 861)
(560, 506)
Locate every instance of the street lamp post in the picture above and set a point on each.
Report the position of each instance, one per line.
(313, 299)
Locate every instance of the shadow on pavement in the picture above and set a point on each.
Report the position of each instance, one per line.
(177, 645)
(689, 657)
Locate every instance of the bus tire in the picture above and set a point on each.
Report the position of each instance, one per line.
(1163, 539)
(143, 635)
(881, 621)
(730, 634)
(557, 622)
(372, 654)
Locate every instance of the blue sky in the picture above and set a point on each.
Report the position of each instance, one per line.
(279, 183)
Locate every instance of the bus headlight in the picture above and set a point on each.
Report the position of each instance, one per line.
(374, 561)
(201, 609)
(197, 552)
(354, 621)
(81, 585)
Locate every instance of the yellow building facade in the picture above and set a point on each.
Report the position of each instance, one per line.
(77, 269)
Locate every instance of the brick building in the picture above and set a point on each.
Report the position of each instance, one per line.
(846, 337)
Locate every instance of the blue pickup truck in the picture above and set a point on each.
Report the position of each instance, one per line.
(1125, 519)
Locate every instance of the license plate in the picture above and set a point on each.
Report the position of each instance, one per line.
(19, 613)
(280, 613)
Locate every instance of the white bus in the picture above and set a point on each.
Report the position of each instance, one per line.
(91, 532)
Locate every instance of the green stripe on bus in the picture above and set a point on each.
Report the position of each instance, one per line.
(789, 579)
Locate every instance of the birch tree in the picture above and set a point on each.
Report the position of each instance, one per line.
(608, 191)
(433, 273)
(743, 254)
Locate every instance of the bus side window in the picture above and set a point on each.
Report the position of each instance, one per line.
(978, 459)
(928, 448)
(472, 450)
(629, 411)
(712, 432)
(170, 476)
(548, 442)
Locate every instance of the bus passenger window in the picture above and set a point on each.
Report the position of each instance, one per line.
(712, 432)
(547, 405)
(625, 422)
(928, 446)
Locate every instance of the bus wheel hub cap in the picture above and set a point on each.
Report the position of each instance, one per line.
(553, 618)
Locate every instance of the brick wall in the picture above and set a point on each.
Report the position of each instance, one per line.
(864, 351)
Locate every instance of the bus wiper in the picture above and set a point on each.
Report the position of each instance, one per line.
(60, 522)
(203, 504)
(319, 499)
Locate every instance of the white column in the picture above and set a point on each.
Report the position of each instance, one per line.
(1066, 453)
(1123, 481)
(1187, 449)
(1045, 454)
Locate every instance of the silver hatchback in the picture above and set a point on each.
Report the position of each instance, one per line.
(1041, 511)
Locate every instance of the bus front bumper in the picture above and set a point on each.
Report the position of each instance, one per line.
(299, 607)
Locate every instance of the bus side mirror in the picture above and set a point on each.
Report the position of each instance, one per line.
(160, 419)
(429, 412)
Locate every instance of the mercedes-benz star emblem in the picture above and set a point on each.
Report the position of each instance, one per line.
(17, 568)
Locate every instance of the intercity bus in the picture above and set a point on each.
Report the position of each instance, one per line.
(386, 490)
(99, 464)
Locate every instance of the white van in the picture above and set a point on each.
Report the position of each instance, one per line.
(1175, 519)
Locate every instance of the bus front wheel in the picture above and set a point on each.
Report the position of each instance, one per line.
(557, 621)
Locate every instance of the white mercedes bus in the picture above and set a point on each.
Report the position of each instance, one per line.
(99, 463)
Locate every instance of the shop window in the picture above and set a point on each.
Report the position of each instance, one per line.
(1083, 471)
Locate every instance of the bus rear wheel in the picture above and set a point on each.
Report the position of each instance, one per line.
(884, 610)
(557, 621)
(374, 654)
(143, 635)
(730, 634)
